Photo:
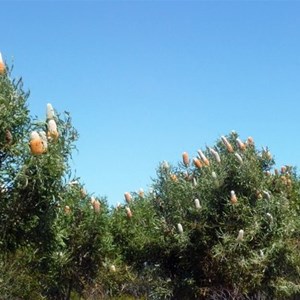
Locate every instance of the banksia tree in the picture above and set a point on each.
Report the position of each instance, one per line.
(56, 238)
(228, 229)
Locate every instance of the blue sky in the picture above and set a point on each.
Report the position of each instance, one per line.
(146, 80)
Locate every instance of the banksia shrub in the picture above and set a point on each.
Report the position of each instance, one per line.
(215, 249)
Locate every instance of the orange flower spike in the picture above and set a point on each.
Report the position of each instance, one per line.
(203, 157)
(240, 144)
(174, 177)
(2, 65)
(227, 144)
(198, 164)
(36, 144)
(185, 159)
(128, 197)
(128, 212)
(233, 197)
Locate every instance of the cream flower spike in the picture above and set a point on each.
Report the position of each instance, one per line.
(50, 112)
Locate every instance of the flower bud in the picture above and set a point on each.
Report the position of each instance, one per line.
(227, 144)
(215, 154)
(197, 204)
(128, 212)
(141, 193)
(52, 130)
(239, 158)
(96, 206)
(240, 144)
(233, 197)
(179, 228)
(67, 209)
(8, 137)
(250, 141)
(185, 159)
(128, 197)
(112, 268)
(203, 158)
(240, 236)
(270, 216)
(50, 112)
(267, 195)
(36, 144)
(197, 163)
(195, 181)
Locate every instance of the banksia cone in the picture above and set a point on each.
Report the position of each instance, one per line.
(185, 159)
(240, 144)
(239, 158)
(179, 228)
(197, 163)
(215, 154)
(96, 206)
(52, 130)
(93, 200)
(283, 169)
(195, 181)
(8, 137)
(141, 193)
(128, 197)
(203, 158)
(128, 212)
(270, 217)
(67, 209)
(227, 144)
(50, 112)
(197, 204)
(2, 65)
(240, 236)
(267, 195)
(174, 177)
(112, 268)
(233, 197)
(250, 141)
(36, 143)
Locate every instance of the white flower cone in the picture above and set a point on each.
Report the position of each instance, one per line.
(197, 204)
(240, 236)
(179, 228)
(50, 112)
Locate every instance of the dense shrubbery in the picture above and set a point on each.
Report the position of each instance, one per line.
(223, 225)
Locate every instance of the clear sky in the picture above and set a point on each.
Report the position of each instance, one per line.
(146, 80)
